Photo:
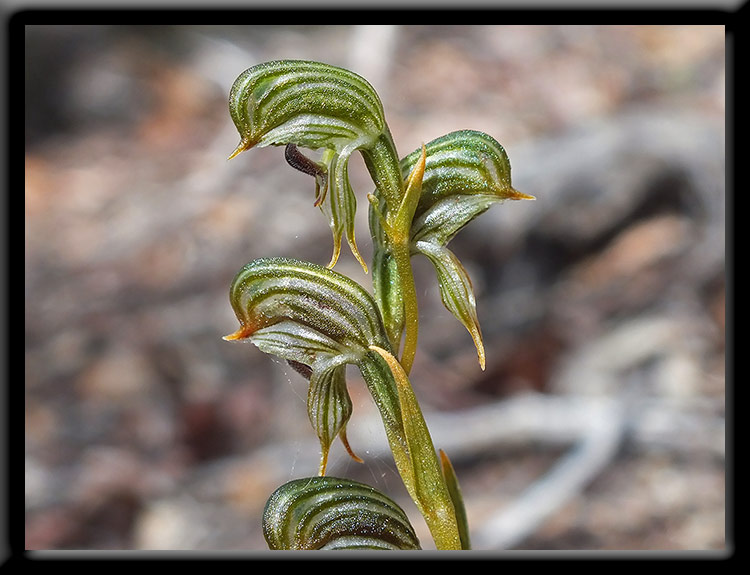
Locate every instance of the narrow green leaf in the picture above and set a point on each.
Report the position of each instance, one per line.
(399, 242)
(331, 513)
(421, 472)
(382, 386)
(451, 481)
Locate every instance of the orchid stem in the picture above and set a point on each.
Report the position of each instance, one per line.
(400, 230)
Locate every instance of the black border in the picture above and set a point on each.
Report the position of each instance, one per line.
(12, 551)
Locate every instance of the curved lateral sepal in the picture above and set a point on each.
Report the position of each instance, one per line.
(456, 291)
(321, 361)
(341, 210)
(329, 408)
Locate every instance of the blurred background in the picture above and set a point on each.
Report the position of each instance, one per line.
(599, 421)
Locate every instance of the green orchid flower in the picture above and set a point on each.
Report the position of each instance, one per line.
(465, 173)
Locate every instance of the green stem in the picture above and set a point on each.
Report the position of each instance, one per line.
(381, 160)
(402, 256)
(399, 227)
